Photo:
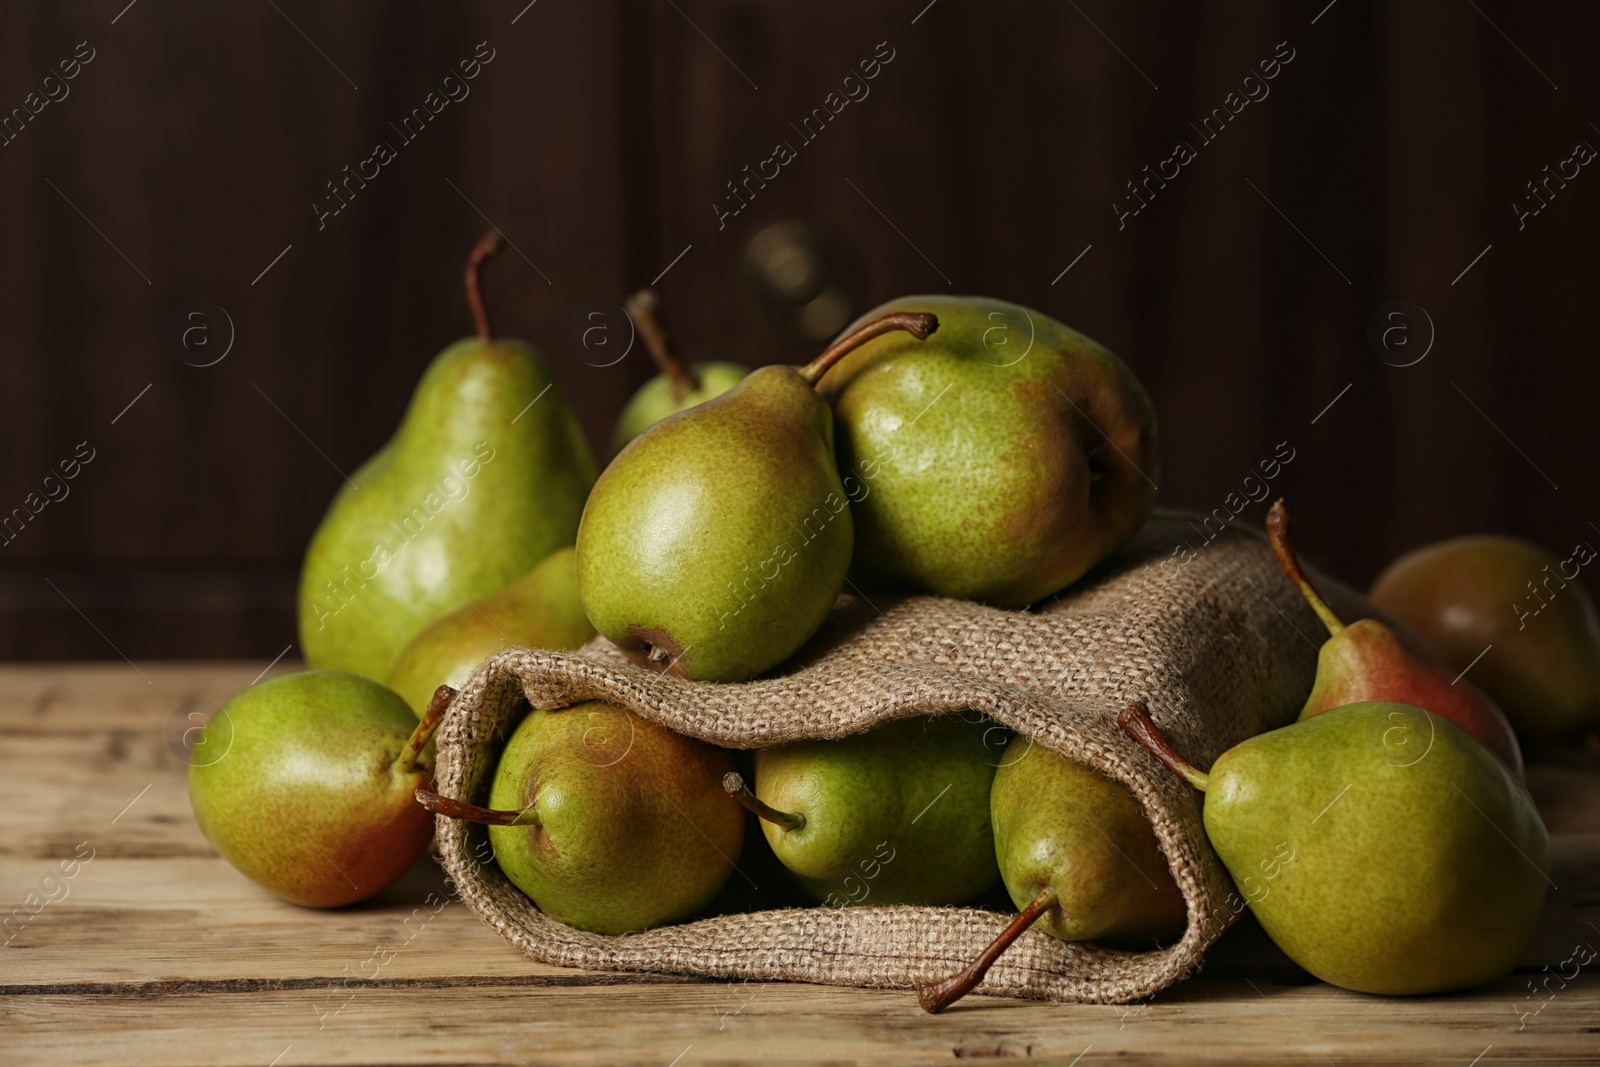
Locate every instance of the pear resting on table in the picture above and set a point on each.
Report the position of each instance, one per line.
(485, 477)
(1517, 616)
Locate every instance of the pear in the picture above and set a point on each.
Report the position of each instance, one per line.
(1511, 611)
(1068, 831)
(896, 815)
(1366, 660)
(998, 462)
(485, 477)
(716, 542)
(607, 821)
(1380, 846)
(1078, 857)
(677, 388)
(539, 610)
(312, 797)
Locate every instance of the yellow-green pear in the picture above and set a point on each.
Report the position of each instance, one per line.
(678, 387)
(1379, 845)
(997, 461)
(539, 610)
(485, 477)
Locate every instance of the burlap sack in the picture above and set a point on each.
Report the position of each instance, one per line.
(1209, 635)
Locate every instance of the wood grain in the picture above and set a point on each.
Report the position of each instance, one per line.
(157, 952)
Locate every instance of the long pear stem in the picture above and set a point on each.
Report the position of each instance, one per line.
(482, 252)
(919, 324)
(733, 782)
(420, 737)
(1278, 534)
(1137, 724)
(644, 308)
(938, 996)
(460, 809)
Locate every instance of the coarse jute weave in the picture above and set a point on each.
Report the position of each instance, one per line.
(1209, 636)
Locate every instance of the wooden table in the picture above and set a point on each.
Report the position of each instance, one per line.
(156, 952)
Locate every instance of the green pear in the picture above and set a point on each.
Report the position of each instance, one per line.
(677, 388)
(485, 477)
(1514, 614)
(607, 821)
(1378, 844)
(1067, 831)
(306, 785)
(539, 610)
(897, 815)
(716, 543)
(998, 461)
(1078, 857)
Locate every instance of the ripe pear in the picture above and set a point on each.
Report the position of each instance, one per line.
(607, 821)
(311, 796)
(1079, 860)
(716, 542)
(896, 815)
(998, 462)
(1066, 830)
(1366, 660)
(539, 610)
(485, 477)
(1380, 846)
(1511, 611)
(677, 388)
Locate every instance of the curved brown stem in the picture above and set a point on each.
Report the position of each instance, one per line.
(644, 308)
(919, 324)
(460, 809)
(1283, 548)
(733, 782)
(938, 996)
(1137, 724)
(420, 737)
(482, 252)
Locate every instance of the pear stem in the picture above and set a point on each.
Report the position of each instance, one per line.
(919, 324)
(1137, 724)
(938, 996)
(644, 308)
(1278, 534)
(482, 252)
(420, 737)
(733, 782)
(460, 809)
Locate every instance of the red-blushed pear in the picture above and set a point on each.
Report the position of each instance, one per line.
(1480, 602)
(1367, 661)
(308, 781)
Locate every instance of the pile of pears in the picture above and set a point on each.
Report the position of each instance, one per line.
(950, 446)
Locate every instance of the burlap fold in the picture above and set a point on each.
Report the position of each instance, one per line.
(1207, 633)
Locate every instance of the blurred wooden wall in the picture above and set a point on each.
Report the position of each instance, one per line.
(186, 155)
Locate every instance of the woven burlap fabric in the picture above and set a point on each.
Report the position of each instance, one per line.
(1210, 637)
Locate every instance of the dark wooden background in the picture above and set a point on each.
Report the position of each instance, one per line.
(985, 159)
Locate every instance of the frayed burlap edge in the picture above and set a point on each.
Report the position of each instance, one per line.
(1205, 632)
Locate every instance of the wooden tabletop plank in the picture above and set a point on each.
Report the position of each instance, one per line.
(155, 951)
(691, 1024)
